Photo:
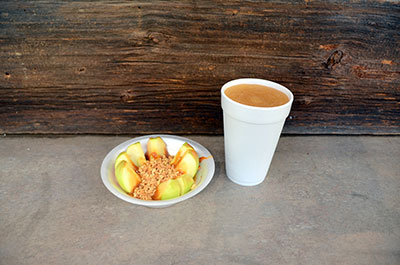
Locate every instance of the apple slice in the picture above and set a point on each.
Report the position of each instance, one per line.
(167, 190)
(180, 153)
(156, 148)
(126, 176)
(173, 188)
(186, 182)
(189, 163)
(123, 156)
(136, 154)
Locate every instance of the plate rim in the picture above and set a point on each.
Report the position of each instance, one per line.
(157, 203)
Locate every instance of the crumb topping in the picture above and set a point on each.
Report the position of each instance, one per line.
(153, 172)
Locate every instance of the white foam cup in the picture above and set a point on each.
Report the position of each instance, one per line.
(251, 134)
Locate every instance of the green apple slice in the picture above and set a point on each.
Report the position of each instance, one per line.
(186, 183)
(123, 156)
(173, 188)
(189, 163)
(167, 190)
(126, 176)
(156, 148)
(180, 153)
(136, 154)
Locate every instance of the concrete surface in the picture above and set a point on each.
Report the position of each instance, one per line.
(327, 200)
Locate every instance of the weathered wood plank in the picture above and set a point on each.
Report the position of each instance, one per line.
(117, 67)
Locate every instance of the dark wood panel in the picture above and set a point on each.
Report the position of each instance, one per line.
(119, 67)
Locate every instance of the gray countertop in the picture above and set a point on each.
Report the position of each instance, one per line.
(326, 200)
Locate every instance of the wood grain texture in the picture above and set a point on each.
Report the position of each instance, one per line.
(129, 67)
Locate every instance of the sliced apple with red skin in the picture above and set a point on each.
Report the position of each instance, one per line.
(189, 163)
(123, 156)
(126, 176)
(180, 153)
(156, 148)
(136, 154)
(173, 188)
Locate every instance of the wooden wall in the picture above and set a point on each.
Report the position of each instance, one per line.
(130, 67)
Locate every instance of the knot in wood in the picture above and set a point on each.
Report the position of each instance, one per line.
(127, 96)
(333, 59)
(154, 37)
(81, 70)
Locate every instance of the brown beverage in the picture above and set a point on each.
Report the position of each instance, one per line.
(256, 95)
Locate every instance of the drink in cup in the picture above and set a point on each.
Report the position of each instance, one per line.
(254, 112)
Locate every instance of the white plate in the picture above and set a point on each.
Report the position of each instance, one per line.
(203, 176)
